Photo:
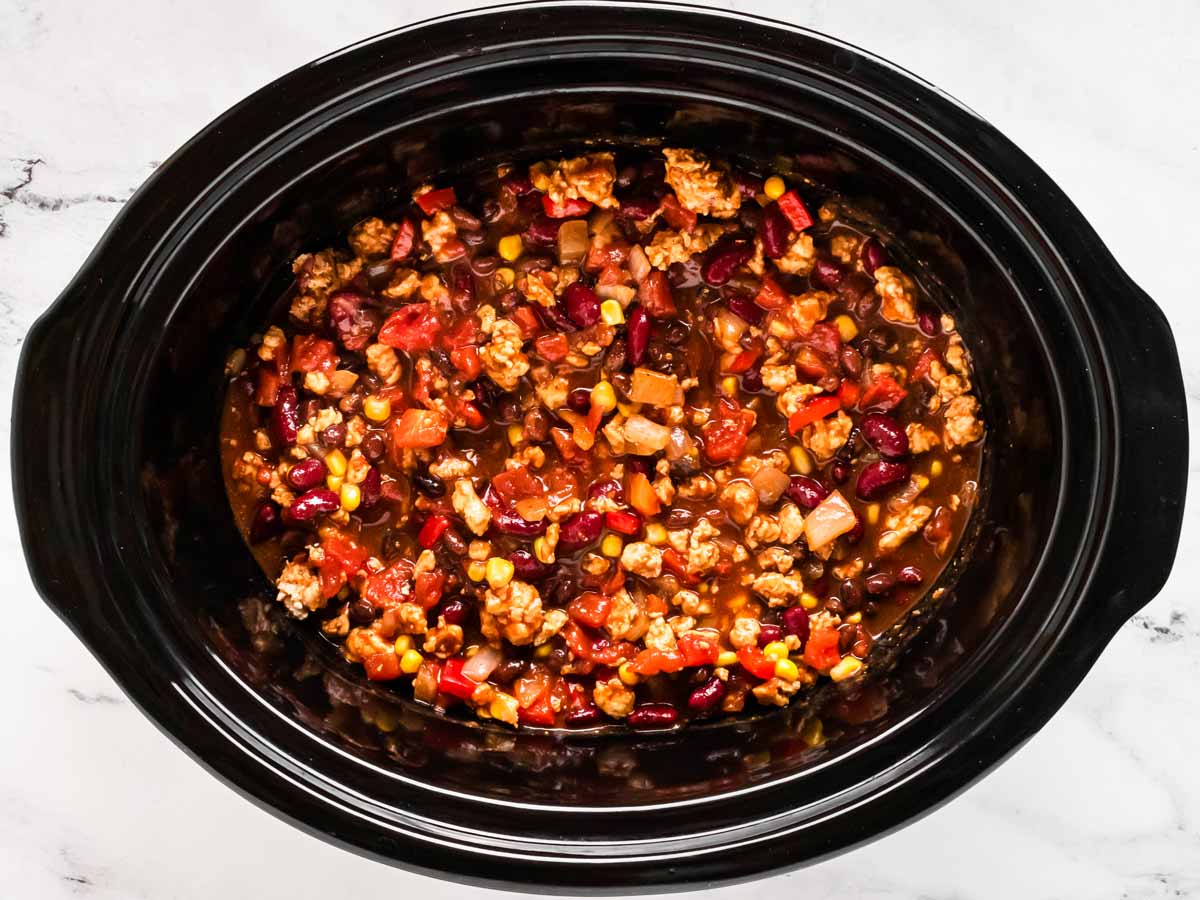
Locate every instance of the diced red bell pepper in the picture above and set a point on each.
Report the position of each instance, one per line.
(623, 521)
(725, 434)
(570, 208)
(412, 328)
(740, 362)
(754, 662)
(431, 532)
(655, 662)
(551, 347)
(676, 214)
(882, 394)
(699, 649)
(540, 712)
(452, 681)
(813, 409)
(527, 320)
(655, 296)
(382, 666)
(467, 361)
(821, 649)
(402, 244)
(418, 429)
(794, 209)
(590, 609)
(675, 563)
(269, 383)
(848, 394)
(770, 294)
(435, 201)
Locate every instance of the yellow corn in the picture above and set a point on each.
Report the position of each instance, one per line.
(809, 601)
(611, 313)
(505, 277)
(628, 409)
(333, 482)
(846, 328)
(377, 409)
(729, 385)
(922, 481)
(775, 650)
(350, 496)
(603, 397)
(873, 513)
(854, 618)
(787, 670)
(656, 534)
(510, 247)
(627, 675)
(542, 652)
(611, 546)
(410, 661)
(516, 433)
(935, 468)
(727, 658)
(801, 461)
(543, 551)
(813, 732)
(845, 669)
(774, 187)
(403, 644)
(499, 572)
(336, 463)
(498, 707)
(476, 570)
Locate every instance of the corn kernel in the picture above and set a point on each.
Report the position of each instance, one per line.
(410, 661)
(499, 572)
(476, 570)
(813, 732)
(516, 433)
(656, 534)
(809, 601)
(603, 397)
(498, 708)
(334, 482)
(846, 328)
(774, 187)
(935, 468)
(611, 313)
(403, 644)
(848, 667)
(786, 670)
(611, 546)
(801, 461)
(628, 409)
(729, 385)
(505, 277)
(854, 618)
(511, 247)
(627, 675)
(543, 551)
(775, 650)
(542, 652)
(376, 408)
(922, 481)
(873, 514)
(727, 658)
(350, 496)
(471, 651)
(335, 461)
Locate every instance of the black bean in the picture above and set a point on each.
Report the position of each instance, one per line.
(428, 484)
(880, 583)
(374, 446)
(334, 435)
(362, 612)
(852, 594)
(676, 332)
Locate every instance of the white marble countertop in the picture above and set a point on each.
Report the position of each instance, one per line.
(1103, 803)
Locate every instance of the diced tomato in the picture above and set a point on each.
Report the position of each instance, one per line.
(382, 666)
(655, 662)
(698, 648)
(725, 434)
(539, 713)
(623, 522)
(313, 354)
(848, 394)
(452, 681)
(656, 605)
(565, 443)
(642, 496)
(464, 333)
(412, 328)
(826, 340)
(882, 394)
(427, 588)
(341, 557)
(676, 214)
(754, 662)
(675, 563)
(403, 243)
(467, 361)
(418, 429)
(794, 209)
(578, 641)
(655, 296)
(527, 320)
(813, 409)
(771, 295)
(518, 483)
(590, 609)
(611, 653)
(812, 364)
(435, 201)
(924, 363)
(614, 254)
(431, 532)
(267, 392)
(551, 347)
(387, 588)
(569, 209)
(736, 363)
(821, 649)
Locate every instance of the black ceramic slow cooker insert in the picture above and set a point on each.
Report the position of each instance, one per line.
(130, 540)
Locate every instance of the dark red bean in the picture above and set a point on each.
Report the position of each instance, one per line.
(752, 379)
(880, 583)
(579, 530)
(542, 231)
(826, 274)
(266, 523)
(840, 470)
(314, 503)
(929, 322)
(774, 231)
(879, 477)
(806, 492)
(722, 260)
(352, 320)
(455, 612)
(854, 535)
(580, 400)
(872, 255)
(371, 488)
(285, 417)
(516, 184)
(307, 473)
(707, 698)
(795, 621)
(584, 717)
(885, 434)
(910, 575)
(429, 484)
(511, 523)
(335, 435)
(527, 567)
(610, 488)
(638, 209)
(374, 446)
(851, 360)
(653, 715)
(637, 334)
(749, 186)
(746, 309)
(768, 633)
(581, 304)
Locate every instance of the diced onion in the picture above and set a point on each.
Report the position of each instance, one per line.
(770, 483)
(639, 265)
(644, 436)
(728, 330)
(572, 242)
(425, 685)
(831, 518)
(655, 388)
(680, 445)
(482, 664)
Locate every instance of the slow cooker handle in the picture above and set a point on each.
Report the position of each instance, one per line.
(1152, 458)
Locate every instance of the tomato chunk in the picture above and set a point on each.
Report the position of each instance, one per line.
(821, 649)
(435, 201)
(754, 662)
(590, 609)
(698, 648)
(418, 429)
(412, 328)
(570, 208)
(382, 666)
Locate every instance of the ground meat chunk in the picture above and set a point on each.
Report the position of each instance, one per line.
(668, 247)
(441, 234)
(762, 529)
(825, 437)
(794, 396)
(372, 238)
(791, 523)
(514, 612)
(691, 603)
(775, 558)
(799, 258)
(450, 466)
(899, 527)
(552, 624)
(444, 640)
(613, 698)
(744, 632)
(642, 559)
(539, 287)
(660, 635)
(404, 285)
(502, 358)
(740, 501)
(504, 707)
(364, 642)
(921, 438)
(700, 186)
(962, 424)
(406, 618)
(589, 177)
(779, 589)
(299, 590)
(778, 378)
(897, 294)
(703, 554)
(845, 248)
(382, 360)
(796, 320)
(552, 392)
(776, 691)
(468, 505)
(626, 619)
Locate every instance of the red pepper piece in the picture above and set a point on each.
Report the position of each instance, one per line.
(623, 522)
(568, 209)
(382, 666)
(452, 681)
(540, 712)
(754, 662)
(675, 563)
(435, 201)
(813, 409)
(821, 649)
(431, 532)
(402, 244)
(797, 213)
(882, 394)
(848, 393)
(770, 294)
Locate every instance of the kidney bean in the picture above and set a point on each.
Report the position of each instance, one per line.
(872, 256)
(528, 567)
(455, 612)
(707, 698)
(749, 186)
(880, 583)
(579, 530)
(352, 321)
(929, 322)
(464, 220)
(653, 715)
(542, 231)
(580, 399)
(510, 523)
(879, 477)
(851, 360)
(610, 488)
(637, 334)
(826, 274)
(722, 260)
(312, 504)
(768, 633)
(285, 416)
(752, 379)
(852, 594)
(307, 473)
(638, 209)
(361, 612)
(910, 575)
(371, 488)
(840, 470)
(854, 535)
(266, 523)
(746, 309)
(774, 231)
(585, 716)
(795, 621)
(885, 434)
(581, 304)
(805, 492)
